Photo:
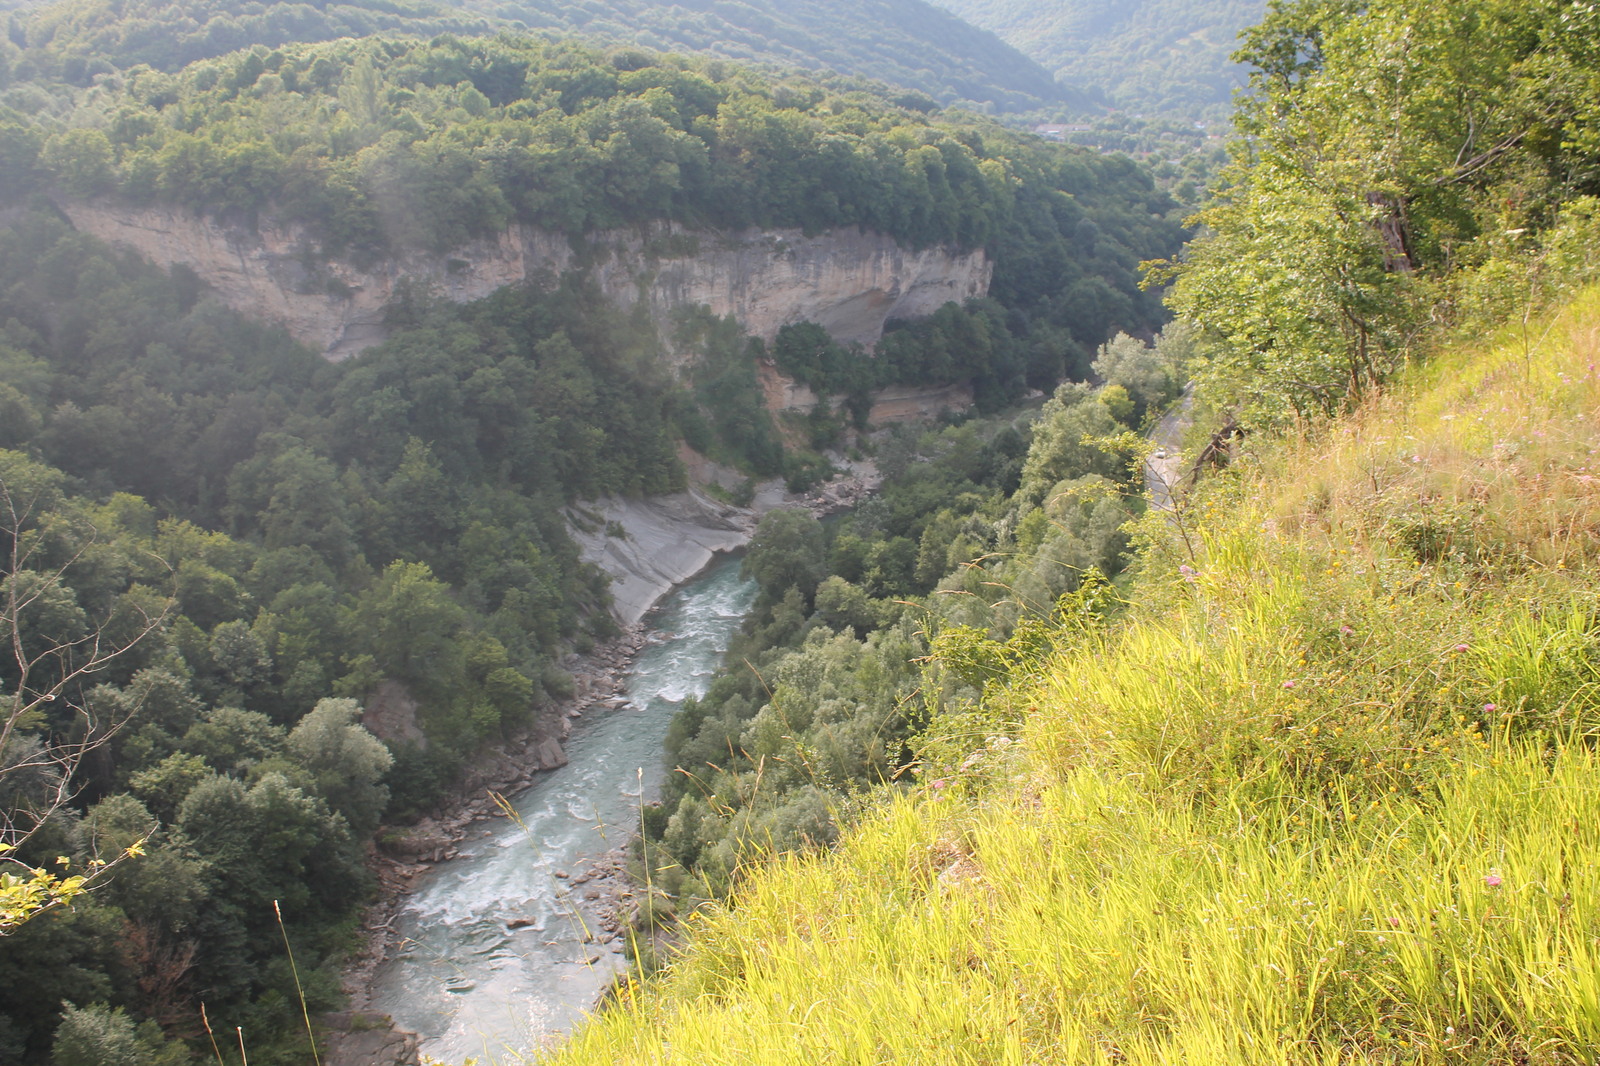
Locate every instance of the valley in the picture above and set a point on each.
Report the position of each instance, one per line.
(370, 373)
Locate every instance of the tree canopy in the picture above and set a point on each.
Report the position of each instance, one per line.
(380, 144)
(1153, 56)
(1388, 151)
(930, 55)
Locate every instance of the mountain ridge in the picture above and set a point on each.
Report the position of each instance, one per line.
(1159, 56)
(908, 43)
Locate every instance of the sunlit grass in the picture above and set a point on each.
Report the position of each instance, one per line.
(1090, 921)
(1328, 795)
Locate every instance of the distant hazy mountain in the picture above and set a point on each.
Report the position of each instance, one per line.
(1146, 55)
(903, 42)
(907, 43)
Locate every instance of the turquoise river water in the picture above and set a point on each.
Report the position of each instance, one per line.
(467, 983)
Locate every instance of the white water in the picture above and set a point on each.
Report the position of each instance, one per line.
(464, 981)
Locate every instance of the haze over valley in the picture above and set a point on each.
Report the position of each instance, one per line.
(854, 533)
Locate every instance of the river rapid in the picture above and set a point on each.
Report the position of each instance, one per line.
(464, 979)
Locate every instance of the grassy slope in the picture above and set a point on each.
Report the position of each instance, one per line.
(1314, 800)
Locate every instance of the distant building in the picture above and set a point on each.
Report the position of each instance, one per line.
(1055, 131)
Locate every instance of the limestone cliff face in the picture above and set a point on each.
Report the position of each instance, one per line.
(849, 282)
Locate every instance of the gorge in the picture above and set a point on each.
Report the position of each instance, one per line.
(504, 947)
(300, 351)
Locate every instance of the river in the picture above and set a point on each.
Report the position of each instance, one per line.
(463, 980)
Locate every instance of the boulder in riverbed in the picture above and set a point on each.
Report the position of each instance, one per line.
(367, 1038)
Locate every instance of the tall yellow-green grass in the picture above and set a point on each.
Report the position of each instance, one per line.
(1328, 794)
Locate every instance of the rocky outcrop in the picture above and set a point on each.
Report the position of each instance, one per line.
(913, 403)
(391, 716)
(896, 403)
(367, 1038)
(649, 545)
(847, 281)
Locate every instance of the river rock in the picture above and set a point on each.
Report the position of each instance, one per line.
(548, 754)
(423, 839)
(367, 1038)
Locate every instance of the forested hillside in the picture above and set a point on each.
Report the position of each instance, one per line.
(1312, 781)
(1395, 163)
(254, 541)
(422, 145)
(1158, 57)
(907, 43)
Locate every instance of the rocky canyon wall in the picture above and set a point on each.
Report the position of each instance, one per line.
(847, 281)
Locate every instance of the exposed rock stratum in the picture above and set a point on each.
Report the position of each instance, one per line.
(848, 281)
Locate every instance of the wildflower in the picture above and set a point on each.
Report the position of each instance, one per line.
(1461, 647)
(1492, 879)
(939, 782)
(1394, 923)
(1346, 630)
(1288, 684)
(1488, 708)
(1187, 572)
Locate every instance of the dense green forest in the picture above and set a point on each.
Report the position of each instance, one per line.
(384, 144)
(921, 48)
(250, 539)
(983, 535)
(1394, 161)
(1156, 57)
